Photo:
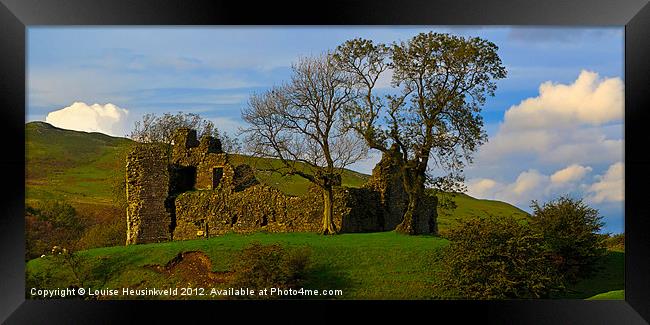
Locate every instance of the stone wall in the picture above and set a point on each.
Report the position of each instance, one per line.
(196, 192)
(386, 180)
(264, 208)
(147, 181)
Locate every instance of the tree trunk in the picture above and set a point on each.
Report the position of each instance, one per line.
(414, 187)
(410, 221)
(328, 213)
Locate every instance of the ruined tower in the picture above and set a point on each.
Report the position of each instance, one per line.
(147, 181)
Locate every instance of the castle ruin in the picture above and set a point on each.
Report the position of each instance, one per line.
(193, 190)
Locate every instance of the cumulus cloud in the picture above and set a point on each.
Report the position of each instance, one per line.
(570, 174)
(610, 186)
(533, 185)
(529, 185)
(108, 119)
(588, 100)
(482, 187)
(564, 123)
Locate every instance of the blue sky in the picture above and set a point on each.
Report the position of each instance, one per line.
(571, 141)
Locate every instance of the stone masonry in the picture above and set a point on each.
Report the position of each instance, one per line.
(195, 192)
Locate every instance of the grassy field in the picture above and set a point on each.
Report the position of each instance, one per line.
(467, 206)
(365, 266)
(82, 167)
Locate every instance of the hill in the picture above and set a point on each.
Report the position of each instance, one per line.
(83, 169)
(72, 165)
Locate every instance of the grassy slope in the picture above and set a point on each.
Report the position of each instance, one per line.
(467, 206)
(292, 185)
(365, 266)
(611, 295)
(71, 165)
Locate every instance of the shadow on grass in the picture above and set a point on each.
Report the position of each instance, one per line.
(610, 277)
(325, 277)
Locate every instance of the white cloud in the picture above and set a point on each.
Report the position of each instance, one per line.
(565, 123)
(609, 187)
(529, 185)
(533, 185)
(589, 100)
(572, 173)
(482, 187)
(108, 119)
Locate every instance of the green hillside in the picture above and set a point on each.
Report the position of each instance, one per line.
(82, 168)
(467, 206)
(383, 265)
(71, 165)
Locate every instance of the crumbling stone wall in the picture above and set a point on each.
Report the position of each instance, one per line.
(192, 190)
(387, 181)
(261, 207)
(147, 181)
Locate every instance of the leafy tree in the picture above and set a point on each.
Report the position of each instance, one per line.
(153, 128)
(301, 124)
(570, 229)
(431, 115)
(497, 258)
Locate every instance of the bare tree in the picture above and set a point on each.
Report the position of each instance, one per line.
(432, 115)
(301, 124)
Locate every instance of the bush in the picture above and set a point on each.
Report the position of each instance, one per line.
(570, 229)
(496, 258)
(270, 266)
(615, 242)
(48, 224)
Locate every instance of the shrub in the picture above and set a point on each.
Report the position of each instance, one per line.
(570, 230)
(270, 266)
(615, 242)
(496, 258)
(51, 223)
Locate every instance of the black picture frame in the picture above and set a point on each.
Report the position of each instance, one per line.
(17, 15)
